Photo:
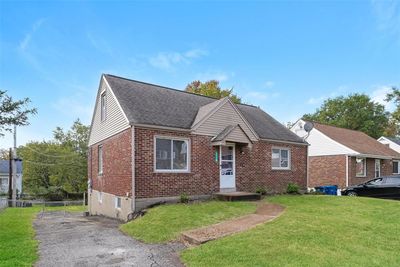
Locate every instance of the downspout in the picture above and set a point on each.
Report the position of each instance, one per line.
(133, 201)
(347, 170)
(307, 168)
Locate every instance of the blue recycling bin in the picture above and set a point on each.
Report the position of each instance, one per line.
(327, 189)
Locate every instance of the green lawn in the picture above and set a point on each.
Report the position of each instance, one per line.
(165, 223)
(18, 246)
(314, 231)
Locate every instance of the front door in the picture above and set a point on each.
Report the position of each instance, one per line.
(227, 167)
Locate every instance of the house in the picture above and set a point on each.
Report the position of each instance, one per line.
(5, 176)
(393, 143)
(150, 143)
(344, 157)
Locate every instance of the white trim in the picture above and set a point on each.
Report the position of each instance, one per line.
(233, 163)
(289, 167)
(370, 156)
(365, 167)
(347, 170)
(116, 99)
(103, 106)
(178, 138)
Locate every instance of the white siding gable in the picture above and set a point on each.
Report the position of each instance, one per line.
(390, 143)
(115, 121)
(226, 114)
(320, 144)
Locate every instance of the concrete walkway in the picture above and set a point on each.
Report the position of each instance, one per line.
(75, 240)
(265, 212)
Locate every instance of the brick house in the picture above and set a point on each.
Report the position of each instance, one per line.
(344, 157)
(150, 143)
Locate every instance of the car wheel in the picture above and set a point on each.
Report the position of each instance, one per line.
(352, 194)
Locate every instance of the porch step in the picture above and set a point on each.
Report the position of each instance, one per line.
(237, 196)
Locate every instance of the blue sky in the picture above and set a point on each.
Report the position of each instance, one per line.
(286, 57)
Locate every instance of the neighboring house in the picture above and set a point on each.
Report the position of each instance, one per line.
(344, 157)
(5, 176)
(150, 143)
(393, 143)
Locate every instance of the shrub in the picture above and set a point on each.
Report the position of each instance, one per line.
(184, 198)
(261, 190)
(292, 188)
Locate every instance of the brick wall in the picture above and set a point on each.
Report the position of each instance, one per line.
(253, 167)
(386, 169)
(327, 170)
(117, 171)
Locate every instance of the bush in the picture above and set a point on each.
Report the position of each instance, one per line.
(292, 188)
(261, 190)
(184, 198)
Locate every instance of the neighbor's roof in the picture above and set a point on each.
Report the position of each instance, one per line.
(394, 140)
(150, 104)
(356, 140)
(5, 166)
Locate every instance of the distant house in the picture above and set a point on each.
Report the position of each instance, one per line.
(344, 157)
(393, 143)
(5, 176)
(149, 144)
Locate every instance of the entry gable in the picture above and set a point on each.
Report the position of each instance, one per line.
(232, 133)
(219, 116)
(114, 120)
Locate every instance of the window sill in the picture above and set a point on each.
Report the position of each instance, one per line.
(281, 169)
(361, 176)
(167, 171)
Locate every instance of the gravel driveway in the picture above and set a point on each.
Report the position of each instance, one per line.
(75, 240)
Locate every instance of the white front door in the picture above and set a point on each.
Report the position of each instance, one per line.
(227, 167)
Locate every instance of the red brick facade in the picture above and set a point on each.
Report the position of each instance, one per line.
(253, 166)
(117, 172)
(331, 170)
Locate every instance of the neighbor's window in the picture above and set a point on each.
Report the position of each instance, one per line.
(103, 105)
(361, 167)
(100, 159)
(117, 202)
(395, 167)
(280, 158)
(171, 154)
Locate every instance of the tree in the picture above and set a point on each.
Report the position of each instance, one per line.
(13, 112)
(212, 88)
(393, 128)
(356, 112)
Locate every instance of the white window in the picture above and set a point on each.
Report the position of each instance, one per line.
(100, 196)
(361, 167)
(100, 159)
(171, 154)
(117, 202)
(103, 106)
(396, 166)
(280, 158)
(377, 168)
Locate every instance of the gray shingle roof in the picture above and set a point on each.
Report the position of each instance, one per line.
(5, 165)
(150, 104)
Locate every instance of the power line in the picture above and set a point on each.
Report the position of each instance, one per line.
(48, 155)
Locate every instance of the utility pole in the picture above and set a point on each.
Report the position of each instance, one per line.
(14, 169)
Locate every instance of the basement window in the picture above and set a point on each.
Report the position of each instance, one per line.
(361, 167)
(117, 202)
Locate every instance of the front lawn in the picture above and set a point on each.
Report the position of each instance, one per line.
(314, 231)
(18, 246)
(165, 223)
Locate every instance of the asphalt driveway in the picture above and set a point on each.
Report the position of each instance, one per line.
(71, 239)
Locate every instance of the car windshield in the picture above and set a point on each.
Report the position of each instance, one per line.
(375, 182)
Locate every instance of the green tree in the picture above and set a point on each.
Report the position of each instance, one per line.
(356, 112)
(213, 89)
(13, 112)
(393, 128)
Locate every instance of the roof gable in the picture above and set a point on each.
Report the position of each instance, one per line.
(231, 133)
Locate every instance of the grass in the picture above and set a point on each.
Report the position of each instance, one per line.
(18, 246)
(314, 231)
(165, 223)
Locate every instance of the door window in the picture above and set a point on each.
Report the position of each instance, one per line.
(227, 160)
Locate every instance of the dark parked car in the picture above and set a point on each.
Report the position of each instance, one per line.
(381, 187)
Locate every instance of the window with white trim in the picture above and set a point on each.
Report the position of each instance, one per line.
(171, 154)
(361, 167)
(103, 106)
(100, 196)
(395, 166)
(280, 158)
(100, 159)
(117, 202)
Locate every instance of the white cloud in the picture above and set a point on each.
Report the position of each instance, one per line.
(23, 45)
(379, 94)
(168, 60)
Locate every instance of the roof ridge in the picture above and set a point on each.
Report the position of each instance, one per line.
(173, 89)
(325, 124)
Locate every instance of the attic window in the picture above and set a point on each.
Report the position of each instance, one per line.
(103, 104)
